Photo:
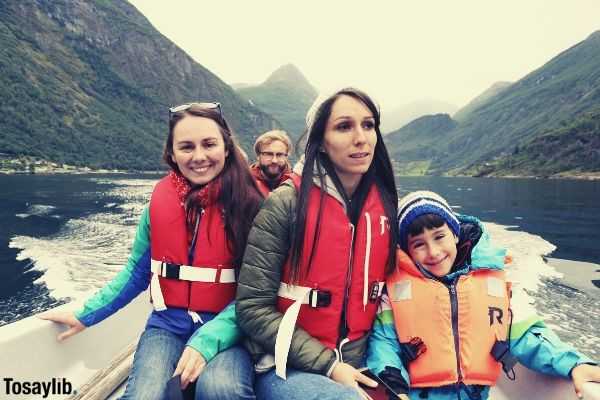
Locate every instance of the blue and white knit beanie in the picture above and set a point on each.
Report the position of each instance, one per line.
(415, 204)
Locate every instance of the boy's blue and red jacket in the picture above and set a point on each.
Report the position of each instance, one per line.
(214, 333)
(531, 342)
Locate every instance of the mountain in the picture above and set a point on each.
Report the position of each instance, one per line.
(480, 100)
(89, 83)
(286, 95)
(241, 85)
(416, 142)
(557, 95)
(400, 116)
(558, 152)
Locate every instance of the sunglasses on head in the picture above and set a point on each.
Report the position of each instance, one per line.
(197, 106)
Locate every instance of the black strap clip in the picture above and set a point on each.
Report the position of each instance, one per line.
(169, 270)
(501, 353)
(411, 350)
(375, 291)
(319, 298)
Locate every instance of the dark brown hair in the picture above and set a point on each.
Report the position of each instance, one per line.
(425, 221)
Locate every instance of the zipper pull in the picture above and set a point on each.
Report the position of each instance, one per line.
(453, 289)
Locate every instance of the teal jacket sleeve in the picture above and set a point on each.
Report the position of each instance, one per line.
(383, 349)
(216, 335)
(133, 279)
(541, 350)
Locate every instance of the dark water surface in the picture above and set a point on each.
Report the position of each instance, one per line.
(564, 212)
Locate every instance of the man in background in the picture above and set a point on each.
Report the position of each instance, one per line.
(272, 167)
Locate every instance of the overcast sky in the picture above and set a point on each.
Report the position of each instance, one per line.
(398, 51)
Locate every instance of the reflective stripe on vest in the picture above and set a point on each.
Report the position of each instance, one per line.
(194, 274)
(422, 308)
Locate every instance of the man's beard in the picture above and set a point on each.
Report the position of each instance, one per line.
(266, 170)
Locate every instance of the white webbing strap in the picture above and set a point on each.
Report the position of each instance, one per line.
(158, 301)
(196, 274)
(294, 292)
(367, 263)
(186, 273)
(195, 316)
(286, 328)
(227, 275)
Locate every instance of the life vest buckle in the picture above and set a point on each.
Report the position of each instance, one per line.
(169, 270)
(375, 291)
(411, 350)
(319, 298)
(501, 353)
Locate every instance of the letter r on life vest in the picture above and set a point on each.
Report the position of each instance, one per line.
(499, 314)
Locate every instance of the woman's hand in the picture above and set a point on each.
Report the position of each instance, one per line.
(584, 373)
(67, 318)
(190, 365)
(347, 375)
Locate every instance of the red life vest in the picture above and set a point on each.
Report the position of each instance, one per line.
(348, 266)
(261, 183)
(208, 284)
(422, 309)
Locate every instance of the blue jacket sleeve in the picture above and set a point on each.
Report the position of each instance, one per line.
(384, 348)
(133, 279)
(541, 350)
(217, 335)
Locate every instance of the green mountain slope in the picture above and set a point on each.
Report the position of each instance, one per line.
(417, 139)
(480, 100)
(400, 116)
(416, 142)
(286, 95)
(549, 98)
(89, 83)
(572, 150)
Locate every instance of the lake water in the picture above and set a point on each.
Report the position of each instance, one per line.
(63, 236)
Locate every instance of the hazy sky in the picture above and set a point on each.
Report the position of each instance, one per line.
(398, 51)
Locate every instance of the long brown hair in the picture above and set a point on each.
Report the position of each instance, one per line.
(239, 195)
(380, 169)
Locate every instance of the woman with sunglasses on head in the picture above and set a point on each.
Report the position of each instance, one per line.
(188, 247)
(317, 256)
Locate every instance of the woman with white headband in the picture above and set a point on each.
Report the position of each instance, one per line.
(318, 253)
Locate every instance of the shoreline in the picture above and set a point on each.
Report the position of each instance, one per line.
(579, 177)
(76, 171)
(29, 165)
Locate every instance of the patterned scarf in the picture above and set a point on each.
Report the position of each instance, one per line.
(208, 195)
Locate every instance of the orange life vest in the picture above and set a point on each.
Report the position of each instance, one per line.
(457, 351)
(209, 283)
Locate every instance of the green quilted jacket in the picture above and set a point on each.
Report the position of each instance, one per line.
(266, 252)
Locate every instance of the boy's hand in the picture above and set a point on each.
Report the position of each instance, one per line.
(67, 318)
(584, 373)
(190, 365)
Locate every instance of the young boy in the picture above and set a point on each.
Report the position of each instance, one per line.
(445, 329)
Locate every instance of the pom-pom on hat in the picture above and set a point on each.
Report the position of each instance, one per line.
(421, 202)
